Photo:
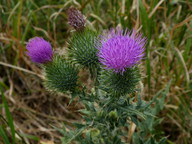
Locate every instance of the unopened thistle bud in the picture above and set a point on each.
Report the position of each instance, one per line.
(83, 49)
(75, 18)
(113, 114)
(95, 132)
(60, 76)
(39, 50)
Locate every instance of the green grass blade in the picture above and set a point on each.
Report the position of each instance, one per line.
(4, 136)
(75, 135)
(32, 137)
(147, 28)
(146, 22)
(188, 47)
(9, 117)
(25, 32)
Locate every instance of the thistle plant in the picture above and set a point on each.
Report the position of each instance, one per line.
(114, 104)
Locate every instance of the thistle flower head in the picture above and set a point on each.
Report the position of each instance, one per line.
(76, 18)
(39, 50)
(121, 49)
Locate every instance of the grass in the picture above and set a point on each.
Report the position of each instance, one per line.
(166, 24)
(9, 120)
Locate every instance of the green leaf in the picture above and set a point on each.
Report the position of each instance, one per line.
(134, 111)
(163, 140)
(78, 125)
(76, 134)
(84, 111)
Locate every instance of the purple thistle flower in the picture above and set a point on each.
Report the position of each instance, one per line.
(39, 50)
(121, 49)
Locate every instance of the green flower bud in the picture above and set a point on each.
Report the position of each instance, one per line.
(83, 48)
(113, 114)
(95, 132)
(60, 75)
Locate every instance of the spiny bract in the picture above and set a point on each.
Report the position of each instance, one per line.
(118, 84)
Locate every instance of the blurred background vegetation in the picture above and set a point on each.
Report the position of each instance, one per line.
(28, 112)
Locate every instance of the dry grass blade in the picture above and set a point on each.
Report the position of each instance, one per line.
(156, 7)
(181, 24)
(21, 69)
(183, 65)
(131, 131)
(98, 18)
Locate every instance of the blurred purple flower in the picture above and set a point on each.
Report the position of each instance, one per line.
(121, 49)
(39, 50)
